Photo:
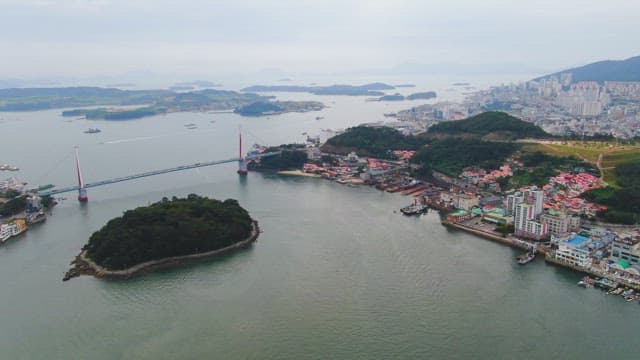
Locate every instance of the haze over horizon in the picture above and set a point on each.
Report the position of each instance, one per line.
(89, 38)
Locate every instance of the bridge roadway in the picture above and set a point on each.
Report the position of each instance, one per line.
(151, 173)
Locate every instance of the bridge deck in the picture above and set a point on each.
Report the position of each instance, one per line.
(151, 173)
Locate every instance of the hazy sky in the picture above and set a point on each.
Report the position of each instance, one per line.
(91, 37)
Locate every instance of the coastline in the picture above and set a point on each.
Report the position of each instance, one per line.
(82, 265)
(297, 173)
(509, 241)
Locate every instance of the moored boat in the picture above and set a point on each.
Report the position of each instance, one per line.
(414, 209)
(526, 257)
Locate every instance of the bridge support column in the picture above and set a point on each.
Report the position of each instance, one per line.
(82, 195)
(242, 167)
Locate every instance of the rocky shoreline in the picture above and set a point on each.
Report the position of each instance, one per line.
(82, 265)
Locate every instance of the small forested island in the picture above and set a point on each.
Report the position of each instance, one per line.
(415, 96)
(422, 95)
(262, 108)
(165, 234)
(394, 97)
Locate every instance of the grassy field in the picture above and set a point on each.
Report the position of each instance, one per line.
(612, 153)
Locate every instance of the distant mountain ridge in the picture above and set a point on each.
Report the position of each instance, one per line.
(373, 89)
(607, 70)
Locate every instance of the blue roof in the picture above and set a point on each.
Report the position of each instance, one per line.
(578, 240)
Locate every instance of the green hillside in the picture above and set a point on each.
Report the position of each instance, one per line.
(502, 125)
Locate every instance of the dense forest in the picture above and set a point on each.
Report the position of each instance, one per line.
(490, 122)
(451, 155)
(623, 203)
(180, 226)
(376, 142)
(538, 167)
(422, 95)
(14, 205)
(259, 108)
(292, 156)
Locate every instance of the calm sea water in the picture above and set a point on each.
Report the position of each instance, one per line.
(337, 273)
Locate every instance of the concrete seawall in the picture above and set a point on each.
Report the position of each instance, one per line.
(516, 243)
(82, 265)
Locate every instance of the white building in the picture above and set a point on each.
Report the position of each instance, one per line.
(513, 201)
(560, 223)
(523, 213)
(535, 197)
(574, 250)
(626, 249)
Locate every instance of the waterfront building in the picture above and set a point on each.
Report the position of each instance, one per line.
(496, 217)
(458, 216)
(526, 225)
(13, 228)
(560, 222)
(627, 249)
(460, 200)
(534, 230)
(574, 250)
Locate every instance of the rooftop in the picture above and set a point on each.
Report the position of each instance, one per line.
(578, 240)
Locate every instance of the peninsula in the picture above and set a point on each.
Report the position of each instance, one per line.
(165, 234)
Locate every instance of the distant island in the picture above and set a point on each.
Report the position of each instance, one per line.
(405, 86)
(415, 96)
(601, 71)
(33, 99)
(394, 97)
(262, 108)
(422, 95)
(165, 234)
(151, 102)
(373, 89)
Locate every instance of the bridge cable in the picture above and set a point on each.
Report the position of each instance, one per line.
(54, 167)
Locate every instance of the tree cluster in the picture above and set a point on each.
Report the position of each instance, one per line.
(623, 203)
(180, 226)
(376, 142)
(451, 155)
(490, 122)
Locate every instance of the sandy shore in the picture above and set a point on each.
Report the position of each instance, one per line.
(297, 173)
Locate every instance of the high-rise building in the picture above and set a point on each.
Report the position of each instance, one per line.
(525, 223)
(512, 201)
(536, 198)
(523, 213)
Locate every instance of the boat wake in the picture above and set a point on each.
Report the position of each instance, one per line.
(144, 138)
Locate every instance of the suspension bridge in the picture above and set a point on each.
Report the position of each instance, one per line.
(82, 186)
